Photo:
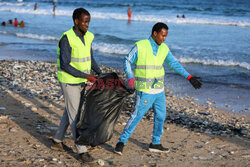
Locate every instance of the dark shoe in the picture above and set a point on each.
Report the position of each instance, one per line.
(59, 146)
(157, 148)
(86, 157)
(118, 148)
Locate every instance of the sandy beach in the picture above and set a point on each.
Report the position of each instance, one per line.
(31, 105)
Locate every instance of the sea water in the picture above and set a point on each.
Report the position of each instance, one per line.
(212, 41)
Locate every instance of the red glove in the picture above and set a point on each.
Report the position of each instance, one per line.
(91, 78)
(131, 83)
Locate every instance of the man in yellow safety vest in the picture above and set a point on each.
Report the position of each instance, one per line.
(149, 56)
(75, 61)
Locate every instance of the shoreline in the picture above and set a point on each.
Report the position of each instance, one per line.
(231, 98)
(29, 87)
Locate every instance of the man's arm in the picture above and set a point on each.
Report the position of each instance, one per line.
(175, 65)
(128, 61)
(65, 58)
(94, 65)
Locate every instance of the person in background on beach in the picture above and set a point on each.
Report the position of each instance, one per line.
(149, 55)
(15, 22)
(178, 16)
(35, 6)
(3, 23)
(129, 12)
(21, 24)
(10, 21)
(54, 8)
(183, 16)
(75, 61)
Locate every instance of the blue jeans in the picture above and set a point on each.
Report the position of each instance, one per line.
(143, 102)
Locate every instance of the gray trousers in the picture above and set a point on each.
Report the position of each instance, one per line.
(72, 97)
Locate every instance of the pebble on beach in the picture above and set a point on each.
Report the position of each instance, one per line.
(38, 79)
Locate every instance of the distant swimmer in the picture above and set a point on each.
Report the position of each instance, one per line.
(15, 22)
(3, 23)
(3, 43)
(21, 24)
(183, 16)
(54, 8)
(35, 6)
(10, 21)
(129, 11)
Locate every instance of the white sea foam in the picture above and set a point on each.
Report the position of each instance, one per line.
(213, 21)
(27, 11)
(35, 36)
(173, 19)
(215, 62)
(3, 32)
(12, 4)
(216, 20)
(31, 36)
(111, 48)
(122, 49)
(100, 47)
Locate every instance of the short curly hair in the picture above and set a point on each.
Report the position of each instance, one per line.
(158, 26)
(78, 12)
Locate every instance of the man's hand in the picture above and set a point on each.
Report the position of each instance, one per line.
(91, 78)
(131, 83)
(195, 82)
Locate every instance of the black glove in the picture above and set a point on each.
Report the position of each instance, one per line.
(195, 82)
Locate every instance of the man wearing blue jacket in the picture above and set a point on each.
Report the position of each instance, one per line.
(149, 56)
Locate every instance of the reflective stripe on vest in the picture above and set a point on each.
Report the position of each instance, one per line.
(149, 79)
(149, 71)
(148, 67)
(80, 57)
(73, 59)
(85, 71)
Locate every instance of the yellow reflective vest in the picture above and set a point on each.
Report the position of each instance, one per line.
(80, 57)
(149, 70)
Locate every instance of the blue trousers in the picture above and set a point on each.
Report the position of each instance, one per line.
(143, 102)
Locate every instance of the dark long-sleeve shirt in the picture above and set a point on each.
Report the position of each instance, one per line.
(65, 58)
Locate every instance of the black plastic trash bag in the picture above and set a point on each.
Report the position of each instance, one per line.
(102, 108)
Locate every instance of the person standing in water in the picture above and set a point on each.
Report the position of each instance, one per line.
(129, 12)
(35, 6)
(15, 22)
(54, 8)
